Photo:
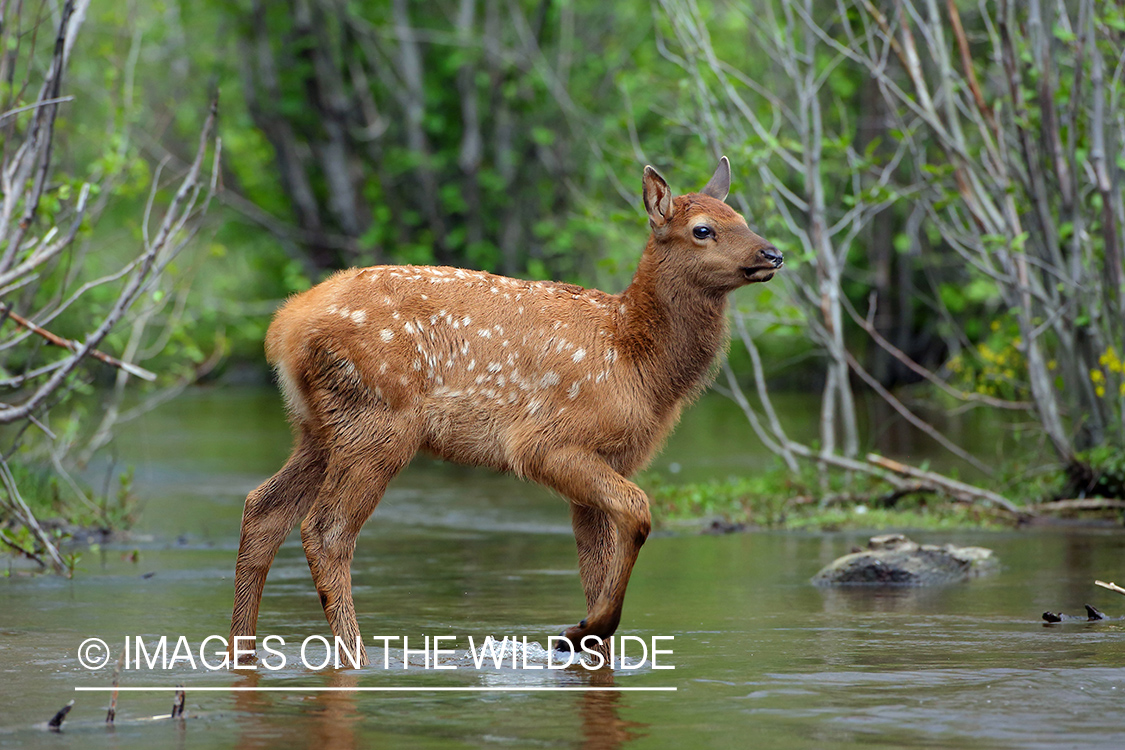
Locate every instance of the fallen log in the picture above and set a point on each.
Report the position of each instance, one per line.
(1089, 503)
(950, 486)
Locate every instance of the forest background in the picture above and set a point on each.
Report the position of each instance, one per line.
(943, 177)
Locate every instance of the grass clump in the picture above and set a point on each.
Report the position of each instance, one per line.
(780, 499)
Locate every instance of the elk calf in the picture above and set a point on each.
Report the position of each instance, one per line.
(570, 387)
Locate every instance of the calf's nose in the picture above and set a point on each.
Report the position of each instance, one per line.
(773, 255)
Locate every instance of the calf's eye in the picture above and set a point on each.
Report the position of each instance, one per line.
(702, 232)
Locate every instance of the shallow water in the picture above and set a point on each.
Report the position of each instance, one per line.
(761, 657)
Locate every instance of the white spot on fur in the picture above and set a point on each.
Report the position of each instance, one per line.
(484, 333)
(549, 380)
(408, 327)
(494, 367)
(579, 355)
(387, 334)
(359, 316)
(611, 355)
(572, 392)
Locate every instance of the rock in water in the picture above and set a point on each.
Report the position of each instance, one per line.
(894, 560)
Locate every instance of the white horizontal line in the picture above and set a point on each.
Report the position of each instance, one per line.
(412, 689)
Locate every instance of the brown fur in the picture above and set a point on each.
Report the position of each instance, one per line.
(570, 387)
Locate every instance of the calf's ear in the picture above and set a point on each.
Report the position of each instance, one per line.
(718, 187)
(658, 199)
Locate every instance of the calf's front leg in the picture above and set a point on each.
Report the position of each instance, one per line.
(611, 521)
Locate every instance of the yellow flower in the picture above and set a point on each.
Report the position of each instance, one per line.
(1096, 376)
(996, 325)
(1100, 390)
(1121, 390)
(1052, 364)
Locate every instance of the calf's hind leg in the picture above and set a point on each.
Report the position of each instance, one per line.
(355, 480)
(269, 515)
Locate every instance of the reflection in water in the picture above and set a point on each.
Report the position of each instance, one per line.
(602, 725)
(335, 715)
(253, 732)
(331, 719)
(859, 600)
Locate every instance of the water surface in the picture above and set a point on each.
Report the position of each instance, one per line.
(761, 657)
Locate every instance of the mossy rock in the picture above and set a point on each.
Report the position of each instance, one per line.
(894, 560)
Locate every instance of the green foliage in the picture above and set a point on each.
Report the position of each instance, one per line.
(1103, 471)
(61, 510)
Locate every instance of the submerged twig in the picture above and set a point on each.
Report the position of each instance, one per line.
(1110, 585)
(178, 703)
(57, 720)
(111, 714)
